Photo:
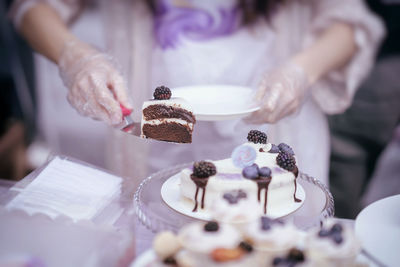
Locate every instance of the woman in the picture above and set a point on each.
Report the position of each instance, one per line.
(305, 57)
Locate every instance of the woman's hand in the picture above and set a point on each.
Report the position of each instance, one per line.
(280, 93)
(96, 88)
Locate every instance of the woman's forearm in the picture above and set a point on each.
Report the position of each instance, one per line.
(332, 50)
(45, 31)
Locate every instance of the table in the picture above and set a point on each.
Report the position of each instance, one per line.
(111, 239)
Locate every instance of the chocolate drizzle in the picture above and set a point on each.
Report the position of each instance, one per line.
(296, 173)
(263, 183)
(200, 183)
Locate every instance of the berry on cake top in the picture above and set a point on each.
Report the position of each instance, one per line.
(257, 137)
(204, 169)
(286, 148)
(286, 161)
(162, 93)
(254, 172)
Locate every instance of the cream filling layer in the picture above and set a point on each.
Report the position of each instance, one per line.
(171, 120)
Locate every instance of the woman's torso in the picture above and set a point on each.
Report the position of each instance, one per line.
(239, 57)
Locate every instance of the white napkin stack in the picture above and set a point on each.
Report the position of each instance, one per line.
(67, 188)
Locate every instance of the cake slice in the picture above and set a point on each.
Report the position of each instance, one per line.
(167, 119)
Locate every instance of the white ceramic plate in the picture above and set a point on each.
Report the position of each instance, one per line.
(170, 193)
(378, 227)
(218, 102)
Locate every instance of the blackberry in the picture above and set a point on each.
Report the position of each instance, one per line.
(245, 246)
(296, 255)
(211, 227)
(162, 93)
(286, 148)
(257, 137)
(204, 169)
(286, 161)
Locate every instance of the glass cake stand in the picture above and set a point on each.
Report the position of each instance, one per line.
(156, 215)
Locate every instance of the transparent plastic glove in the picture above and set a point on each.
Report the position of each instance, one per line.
(280, 93)
(96, 88)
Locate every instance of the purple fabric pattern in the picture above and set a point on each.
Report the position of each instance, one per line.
(197, 24)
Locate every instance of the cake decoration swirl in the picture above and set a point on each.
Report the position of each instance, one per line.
(243, 155)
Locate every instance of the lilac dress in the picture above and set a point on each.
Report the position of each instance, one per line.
(192, 42)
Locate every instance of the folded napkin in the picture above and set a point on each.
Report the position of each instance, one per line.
(67, 188)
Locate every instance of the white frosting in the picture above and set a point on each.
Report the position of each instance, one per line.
(198, 245)
(244, 211)
(280, 191)
(195, 239)
(161, 121)
(176, 102)
(278, 238)
(326, 248)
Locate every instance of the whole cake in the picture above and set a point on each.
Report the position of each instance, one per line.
(256, 168)
(167, 119)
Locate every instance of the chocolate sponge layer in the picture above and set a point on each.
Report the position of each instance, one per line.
(168, 131)
(167, 112)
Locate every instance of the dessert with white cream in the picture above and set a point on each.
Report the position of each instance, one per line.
(167, 119)
(259, 169)
(334, 244)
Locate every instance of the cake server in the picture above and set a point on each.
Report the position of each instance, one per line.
(128, 125)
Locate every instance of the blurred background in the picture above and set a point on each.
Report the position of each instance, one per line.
(365, 139)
